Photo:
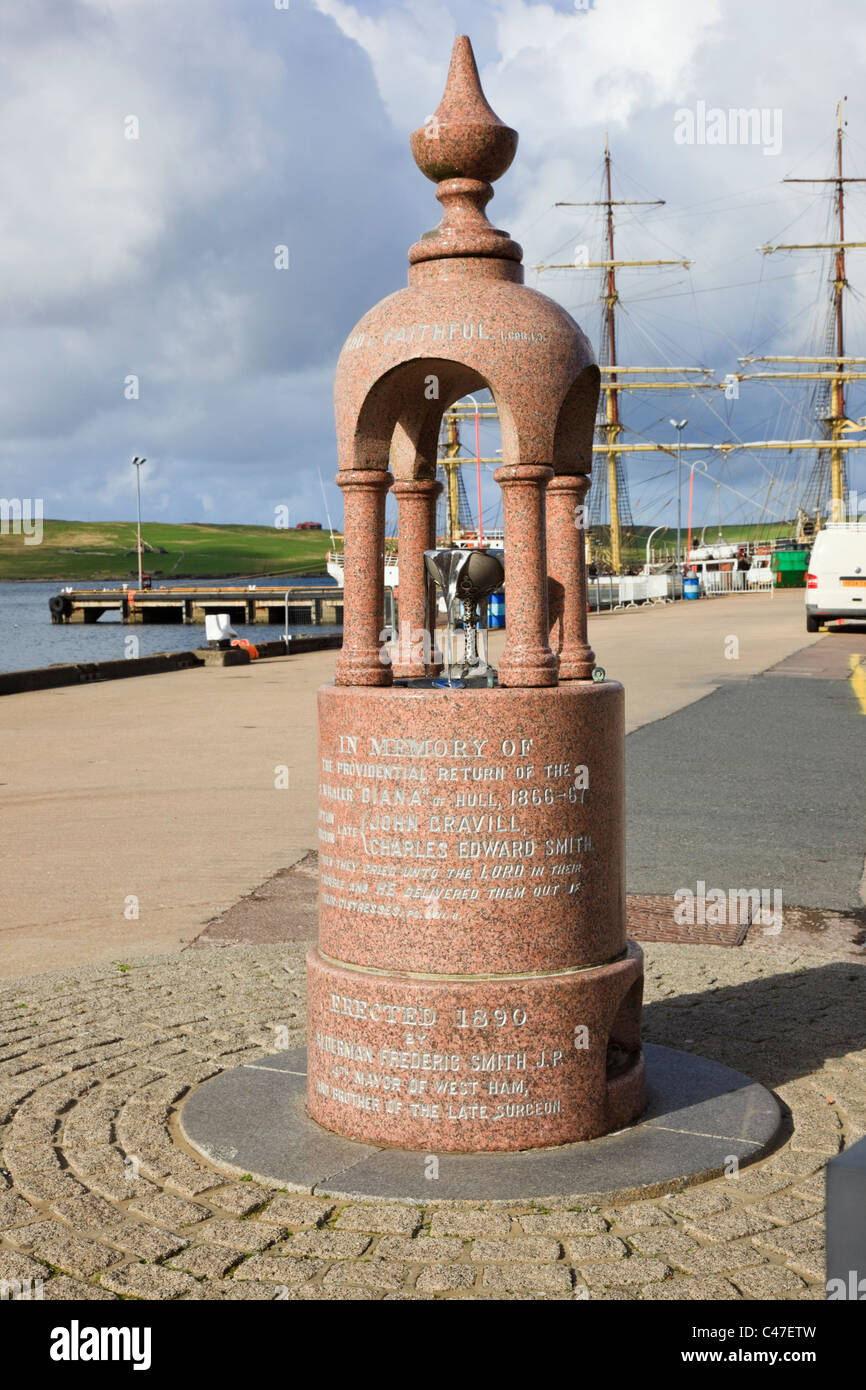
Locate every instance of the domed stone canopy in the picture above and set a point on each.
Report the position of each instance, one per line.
(416, 930)
(465, 323)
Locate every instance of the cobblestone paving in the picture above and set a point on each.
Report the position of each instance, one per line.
(99, 1197)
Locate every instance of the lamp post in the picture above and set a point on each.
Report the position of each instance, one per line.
(679, 426)
(137, 464)
(646, 568)
(702, 465)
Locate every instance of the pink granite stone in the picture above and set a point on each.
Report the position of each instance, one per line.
(566, 571)
(527, 659)
(472, 830)
(360, 659)
(474, 1064)
(472, 989)
(466, 322)
(416, 531)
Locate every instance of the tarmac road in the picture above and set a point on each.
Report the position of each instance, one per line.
(761, 784)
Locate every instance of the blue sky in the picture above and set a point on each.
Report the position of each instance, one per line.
(259, 127)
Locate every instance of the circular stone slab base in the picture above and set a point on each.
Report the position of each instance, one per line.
(699, 1116)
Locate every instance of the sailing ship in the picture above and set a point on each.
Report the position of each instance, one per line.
(813, 491)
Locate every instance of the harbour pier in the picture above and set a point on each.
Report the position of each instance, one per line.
(309, 606)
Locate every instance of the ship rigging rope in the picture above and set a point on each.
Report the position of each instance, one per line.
(647, 220)
(657, 346)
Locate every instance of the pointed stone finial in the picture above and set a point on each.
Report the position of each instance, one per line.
(463, 147)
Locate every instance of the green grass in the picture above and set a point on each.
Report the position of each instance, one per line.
(73, 551)
(80, 551)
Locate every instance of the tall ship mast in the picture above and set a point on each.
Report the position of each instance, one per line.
(610, 490)
(831, 372)
(829, 376)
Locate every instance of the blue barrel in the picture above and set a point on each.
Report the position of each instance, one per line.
(691, 586)
(496, 610)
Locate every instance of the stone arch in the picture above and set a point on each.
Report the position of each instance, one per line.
(396, 416)
(399, 419)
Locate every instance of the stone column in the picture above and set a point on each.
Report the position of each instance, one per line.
(527, 659)
(416, 532)
(359, 661)
(566, 568)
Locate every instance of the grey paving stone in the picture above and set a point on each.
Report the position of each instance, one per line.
(205, 1261)
(528, 1249)
(767, 1281)
(61, 1287)
(16, 1266)
(328, 1245)
(162, 1207)
(422, 1250)
(519, 1278)
(248, 1236)
(14, 1211)
(439, 1278)
(389, 1219)
(470, 1223)
(718, 1259)
(296, 1211)
(59, 1246)
(87, 1211)
(564, 1223)
(147, 1242)
(278, 1269)
(810, 1265)
(757, 1182)
(48, 1187)
(371, 1274)
(676, 1291)
(240, 1199)
(638, 1217)
(664, 1242)
(638, 1270)
(699, 1201)
(147, 1281)
(347, 1293)
(582, 1250)
(729, 1225)
(806, 1237)
(786, 1210)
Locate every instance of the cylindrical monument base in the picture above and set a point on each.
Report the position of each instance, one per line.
(473, 989)
(475, 1064)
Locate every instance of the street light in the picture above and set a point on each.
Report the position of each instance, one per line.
(702, 465)
(679, 426)
(646, 568)
(137, 464)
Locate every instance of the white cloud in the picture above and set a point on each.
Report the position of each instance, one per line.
(260, 127)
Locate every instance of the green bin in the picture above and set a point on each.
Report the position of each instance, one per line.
(789, 567)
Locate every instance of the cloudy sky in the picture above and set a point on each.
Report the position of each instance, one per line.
(258, 126)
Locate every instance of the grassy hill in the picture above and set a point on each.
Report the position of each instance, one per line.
(75, 551)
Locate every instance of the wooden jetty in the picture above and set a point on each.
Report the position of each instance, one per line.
(299, 605)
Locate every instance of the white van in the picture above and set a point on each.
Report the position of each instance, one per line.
(836, 582)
